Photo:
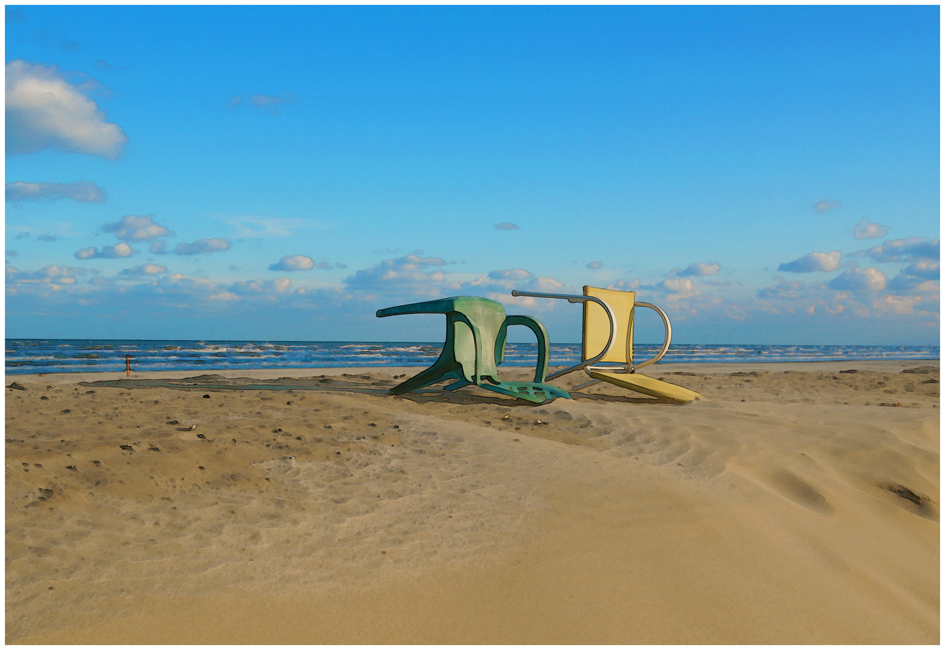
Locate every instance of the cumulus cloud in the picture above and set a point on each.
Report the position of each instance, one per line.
(11, 253)
(925, 269)
(595, 265)
(813, 262)
(157, 248)
(676, 288)
(144, 269)
(624, 285)
(826, 206)
(408, 275)
(108, 252)
(859, 280)
(867, 230)
(276, 286)
(898, 304)
(133, 228)
(82, 191)
(498, 285)
(294, 263)
(905, 283)
(699, 269)
(44, 110)
(51, 274)
(45, 237)
(920, 277)
(506, 226)
(909, 250)
(202, 246)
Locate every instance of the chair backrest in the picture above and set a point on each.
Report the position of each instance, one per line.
(488, 315)
(597, 325)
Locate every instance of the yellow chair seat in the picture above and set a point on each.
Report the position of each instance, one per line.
(647, 386)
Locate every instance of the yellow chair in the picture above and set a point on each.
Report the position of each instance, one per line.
(607, 344)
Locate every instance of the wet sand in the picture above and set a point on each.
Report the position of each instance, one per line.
(798, 503)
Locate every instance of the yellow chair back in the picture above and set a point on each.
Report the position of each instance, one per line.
(597, 325)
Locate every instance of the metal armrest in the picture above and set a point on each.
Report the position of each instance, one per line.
(666, 341)
(576, 299)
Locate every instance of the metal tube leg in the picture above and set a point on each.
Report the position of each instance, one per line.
(585, 384)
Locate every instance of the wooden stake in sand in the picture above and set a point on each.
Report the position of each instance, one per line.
(127, 365)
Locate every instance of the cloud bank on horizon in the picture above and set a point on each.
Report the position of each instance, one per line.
(408, 176)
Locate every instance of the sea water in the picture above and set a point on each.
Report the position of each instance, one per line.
(25, 356)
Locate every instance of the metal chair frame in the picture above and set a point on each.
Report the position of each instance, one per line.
(588, 366)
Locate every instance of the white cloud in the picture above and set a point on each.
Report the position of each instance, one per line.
(145, 269)
(82, 191)
(925, 269)
(899, 304)
(677, 288)
(51, 274)
(506, 226)
(108, 252)
(293, 263)
(498, 285)
(813, 262)
(867, 230)
(202, 246)
(512, 275)
(859, 280)
(44, 110)
(909, 250)
(595, 265)
(826, 206)
(133, 228)
(157, 248)
(699, 269)
(276, 286)
(405, 275)
(624, 285)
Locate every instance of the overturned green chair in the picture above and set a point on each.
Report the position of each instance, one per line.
(607, 343)
(475, 344)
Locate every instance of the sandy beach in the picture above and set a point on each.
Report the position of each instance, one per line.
(797, 503)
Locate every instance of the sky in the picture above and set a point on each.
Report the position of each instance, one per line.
(767, 175)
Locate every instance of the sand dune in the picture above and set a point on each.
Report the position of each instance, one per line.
(798, 503)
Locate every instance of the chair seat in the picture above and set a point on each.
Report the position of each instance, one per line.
(527, 390)
(648, 386)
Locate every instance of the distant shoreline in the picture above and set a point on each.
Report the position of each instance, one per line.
(33, 356)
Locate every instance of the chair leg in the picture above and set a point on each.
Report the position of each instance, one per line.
(585, 384)
(432, 375)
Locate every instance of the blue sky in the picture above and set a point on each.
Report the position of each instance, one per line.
(766, 174)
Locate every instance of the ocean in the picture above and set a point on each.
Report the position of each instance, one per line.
(25, 356)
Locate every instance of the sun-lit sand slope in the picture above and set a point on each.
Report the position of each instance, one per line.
(797, 504)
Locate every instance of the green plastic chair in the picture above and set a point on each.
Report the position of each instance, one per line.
(475, 345)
